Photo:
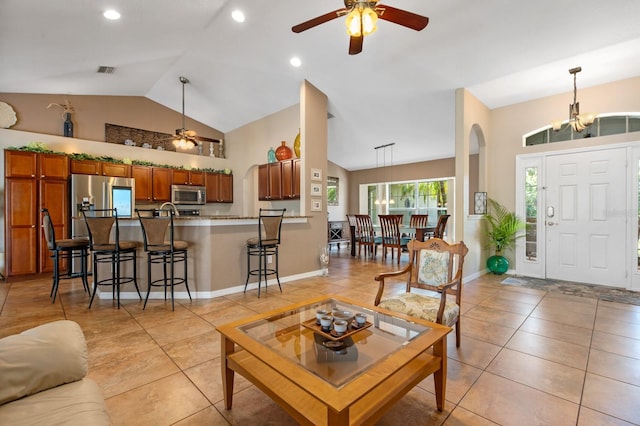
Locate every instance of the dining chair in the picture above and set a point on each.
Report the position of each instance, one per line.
(436, 266)
(366, 235)
(419, 221)
(390, 226)
(353, 232)
(440, 227)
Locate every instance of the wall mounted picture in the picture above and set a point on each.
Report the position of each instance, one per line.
(316, 189)
(480, 203)
(316, 174)
(316, 205)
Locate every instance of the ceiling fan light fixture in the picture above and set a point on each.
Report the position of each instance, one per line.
(361, 21)
(183, 138)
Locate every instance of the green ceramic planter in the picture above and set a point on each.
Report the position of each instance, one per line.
(498, 264)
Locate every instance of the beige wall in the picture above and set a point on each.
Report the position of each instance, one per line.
(516, 120)
(247, 149)
(92, 112)
(472, 122)
(423, 170)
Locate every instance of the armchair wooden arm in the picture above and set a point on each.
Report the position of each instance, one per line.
(381, 277)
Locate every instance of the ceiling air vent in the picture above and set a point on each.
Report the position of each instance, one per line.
(102, 69)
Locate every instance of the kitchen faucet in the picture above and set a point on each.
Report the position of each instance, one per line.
(175, 209)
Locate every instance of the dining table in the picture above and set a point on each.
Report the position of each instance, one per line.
(420, 233)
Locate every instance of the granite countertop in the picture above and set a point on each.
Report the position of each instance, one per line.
(222, 217)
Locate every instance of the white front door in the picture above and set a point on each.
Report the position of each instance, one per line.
(585, 217)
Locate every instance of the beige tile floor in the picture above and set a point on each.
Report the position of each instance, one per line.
(527, 357)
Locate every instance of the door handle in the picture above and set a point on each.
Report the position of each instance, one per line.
(549, 223)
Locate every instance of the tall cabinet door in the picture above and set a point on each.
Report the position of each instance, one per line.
(51, 192)
(21, 227)
(142, 176)
(162, 179)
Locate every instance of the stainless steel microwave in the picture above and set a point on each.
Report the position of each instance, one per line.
(186, 194)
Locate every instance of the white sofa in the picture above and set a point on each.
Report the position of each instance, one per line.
(42, 378)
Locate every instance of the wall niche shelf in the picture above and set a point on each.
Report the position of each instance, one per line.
(147, 139)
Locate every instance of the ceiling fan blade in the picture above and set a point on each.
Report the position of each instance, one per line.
(402, 17)
(355, 45)
(318, 20)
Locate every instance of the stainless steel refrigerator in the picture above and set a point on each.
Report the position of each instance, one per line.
(89, 192)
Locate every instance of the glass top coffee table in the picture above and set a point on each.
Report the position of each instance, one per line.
(320, 377)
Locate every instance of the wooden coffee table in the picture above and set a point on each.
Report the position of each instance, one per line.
(355, 381)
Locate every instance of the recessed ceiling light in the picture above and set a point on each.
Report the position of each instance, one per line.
(111, 14)
(237, 16)
(295, 61)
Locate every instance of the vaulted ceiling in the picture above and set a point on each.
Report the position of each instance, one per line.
(399, 89)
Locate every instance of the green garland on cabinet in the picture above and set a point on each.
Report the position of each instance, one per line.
(41, 148)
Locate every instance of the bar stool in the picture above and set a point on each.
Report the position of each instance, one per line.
(70, 249)
(99, 224)
(161, 251)
(264, 245)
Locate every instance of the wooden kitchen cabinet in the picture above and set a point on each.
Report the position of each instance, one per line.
(291, 179)
(100, 168)
(153, 184)
(270, 182)
(219, 188)
(86, 167)
(188, 177)
(143, 182)
(53, 166)
(21, 228)
(51, 191)
(161, 179)
(279, 181)
(20, 164)
(33, 181)
(116, 169)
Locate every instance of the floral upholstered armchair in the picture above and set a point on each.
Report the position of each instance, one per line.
(434, 266)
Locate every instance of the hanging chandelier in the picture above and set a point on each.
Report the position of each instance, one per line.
(383, 200)
(577, 121)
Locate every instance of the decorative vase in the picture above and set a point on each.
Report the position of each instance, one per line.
(271, 156)
(296, 145)
(67, 127)
(324, 260)
(498, 264)
(283, 152)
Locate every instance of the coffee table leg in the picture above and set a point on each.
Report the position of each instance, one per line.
(440, 376)
(227, 348)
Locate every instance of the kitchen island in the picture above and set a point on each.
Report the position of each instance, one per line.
(217, 259)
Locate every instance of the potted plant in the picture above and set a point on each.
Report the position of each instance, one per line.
(504, 229)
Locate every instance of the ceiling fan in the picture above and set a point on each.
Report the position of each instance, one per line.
(184, 138)
(361, 20)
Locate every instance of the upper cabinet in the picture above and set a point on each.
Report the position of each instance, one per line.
(161, 184)
(188, 177)
(53, 166)
(20, 164)
(116, 170)
(219, 188)
(100, 168)
(142, 176)
(279, 180)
